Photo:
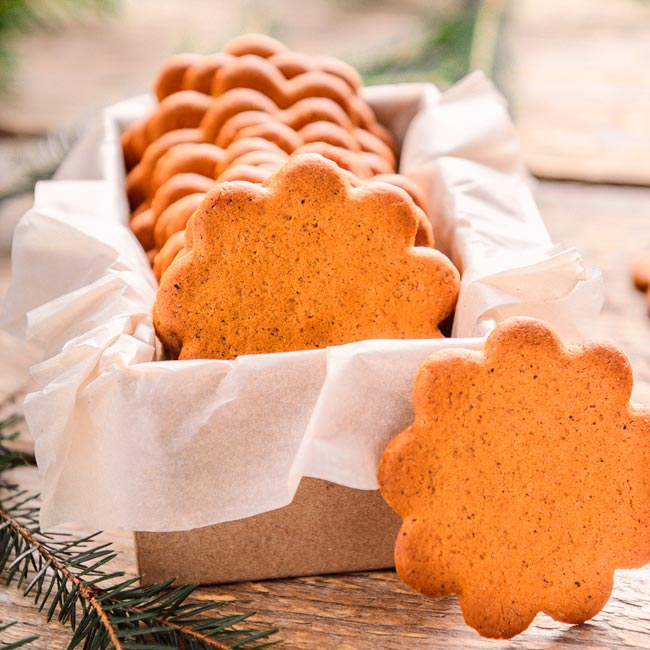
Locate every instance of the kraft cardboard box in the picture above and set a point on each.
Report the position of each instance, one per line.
(328, 528)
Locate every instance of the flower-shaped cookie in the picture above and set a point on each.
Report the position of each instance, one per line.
(302, 261)
(523, 482)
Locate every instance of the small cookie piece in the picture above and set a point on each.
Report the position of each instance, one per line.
(303, 261)
(640, 271)
(523, 481)
(374, 144)
(315, 109)
(408, 185)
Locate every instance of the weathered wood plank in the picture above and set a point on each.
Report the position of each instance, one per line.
(574, 73)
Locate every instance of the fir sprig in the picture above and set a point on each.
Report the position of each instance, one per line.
(70, 578)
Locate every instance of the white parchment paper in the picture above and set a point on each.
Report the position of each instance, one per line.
(123, 440)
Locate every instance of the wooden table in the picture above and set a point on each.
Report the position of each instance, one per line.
(374, 610)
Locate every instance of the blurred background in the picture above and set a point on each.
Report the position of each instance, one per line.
(573, 71)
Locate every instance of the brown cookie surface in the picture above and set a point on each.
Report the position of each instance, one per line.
(523, 481)
(303, 261)
(640, 271)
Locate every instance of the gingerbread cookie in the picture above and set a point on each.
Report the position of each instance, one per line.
(186, 158)
(640, 271)
(258, 44)
(196, 72)
(171, 75)
(200, 75)
(302, 261)
(243, 146)
(175, 217)
(345, 159)
(173, 247)
(523, 482)
(268, 129)
(182, 110)
(260, 74)
(292, 64)
(248, 173)
(239, 100)
(139, 178)
(142, 226)
(255, 166)
(176, 188)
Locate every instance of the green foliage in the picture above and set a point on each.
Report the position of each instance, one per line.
(71, 580)
(18, 16)
(441, 54)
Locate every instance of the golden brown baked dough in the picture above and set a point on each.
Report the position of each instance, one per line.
(258, 44)
(139, 178)
(171, 76)
(302, 261)
(268, 103)
(175, 217)
(523, 481)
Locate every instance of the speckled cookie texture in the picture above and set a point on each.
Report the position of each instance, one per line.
(302, 261)
(523, 481)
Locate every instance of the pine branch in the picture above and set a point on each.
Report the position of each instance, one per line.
(67, 577)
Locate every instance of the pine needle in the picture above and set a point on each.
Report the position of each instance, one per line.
(15, 644)
(70, 579)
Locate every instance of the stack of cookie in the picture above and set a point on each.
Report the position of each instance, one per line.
(266, 195)
(239, 115)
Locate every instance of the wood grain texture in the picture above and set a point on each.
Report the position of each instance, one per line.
(575, 76)
(374, 610)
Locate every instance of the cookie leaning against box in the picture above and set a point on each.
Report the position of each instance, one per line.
(523, 482)
(303, 261)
